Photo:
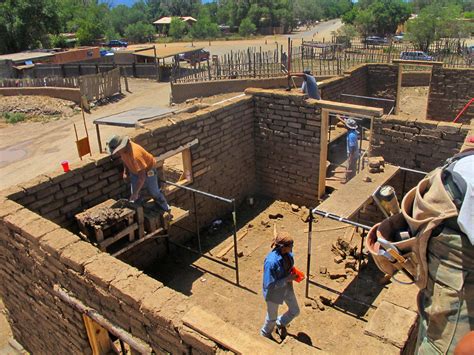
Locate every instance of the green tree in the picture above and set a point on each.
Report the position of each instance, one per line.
(139, 32)
(26, 24)
(204, 27)
(307, 11)
(247, 27)
(178, 28)
(434, 22)
(58, 41)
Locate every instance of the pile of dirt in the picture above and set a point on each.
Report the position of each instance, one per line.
(37, 107)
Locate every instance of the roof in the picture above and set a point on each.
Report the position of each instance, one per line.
(24, 56)
(166, 52)
(167, 20)
(131, 117)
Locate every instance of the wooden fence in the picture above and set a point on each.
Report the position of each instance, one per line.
(93, 87)
(254, 63)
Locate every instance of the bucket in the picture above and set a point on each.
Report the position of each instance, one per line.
(65, 165)
(299, 274)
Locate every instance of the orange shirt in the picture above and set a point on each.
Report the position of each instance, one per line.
(138, 159)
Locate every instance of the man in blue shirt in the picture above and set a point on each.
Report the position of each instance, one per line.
(352, 147)
(310, 86)
(278, 286)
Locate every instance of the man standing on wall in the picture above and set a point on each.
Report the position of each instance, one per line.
(278, 286)
(310, 85)
(139, 165)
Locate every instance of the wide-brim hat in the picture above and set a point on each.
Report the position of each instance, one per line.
(117, 143)
(350, 123)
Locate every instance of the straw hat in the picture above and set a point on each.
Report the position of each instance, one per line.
(350, 123)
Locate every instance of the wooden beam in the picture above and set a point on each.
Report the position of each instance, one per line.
(98, 337)
(399, 89)
(178, 150)
(230, 244)
(119, 332)
(323, 153)
(416, 62)
(347, 108)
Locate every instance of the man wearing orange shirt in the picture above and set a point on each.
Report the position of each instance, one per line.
(140, 166)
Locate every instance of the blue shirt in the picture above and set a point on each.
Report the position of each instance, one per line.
(275, 277)
(352, 145)
(310, 87)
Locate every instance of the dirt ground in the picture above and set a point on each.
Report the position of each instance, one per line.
(213, 287)
(414, 102)
(37, 108)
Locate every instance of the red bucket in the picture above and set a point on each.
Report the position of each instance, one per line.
(299, 274)
(65, 165)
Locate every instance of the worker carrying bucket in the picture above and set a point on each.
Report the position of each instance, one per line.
(432, 241)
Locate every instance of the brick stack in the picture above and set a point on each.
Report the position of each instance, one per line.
(287, 137)
(450, 91)
(416, 144)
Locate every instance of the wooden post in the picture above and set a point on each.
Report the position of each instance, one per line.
(157, 67)
(323, 153)
(399, 88)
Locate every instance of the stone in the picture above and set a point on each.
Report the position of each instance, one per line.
(367, 179)
(338, 259)
(328, 301)
(308, 303)
(275, 215)
(391, 324)
(323, 270)
(240, 254)
(295, 208)
(264, 223)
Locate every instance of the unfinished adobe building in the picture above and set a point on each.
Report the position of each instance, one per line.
(268, 143)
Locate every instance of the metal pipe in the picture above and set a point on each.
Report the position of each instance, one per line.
(197, 221)
(308, 260)
(413, 170)
(202, 255)
(198, 191)
(368, 97)
(236, 253)
(339, 219)
(341, 294)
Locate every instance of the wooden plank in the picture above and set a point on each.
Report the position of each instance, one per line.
(178, 214)
(416, 62)
(350, 198)
(347, 108)
(150, 236)
(98, 337)
(323, 154)
(230, 244)
(176, 151)
(227, 335)
(108, 241)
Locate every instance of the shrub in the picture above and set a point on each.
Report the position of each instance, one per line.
(247, 28)
(14, 117)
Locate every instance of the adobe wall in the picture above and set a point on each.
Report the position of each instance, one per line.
(70, 94)
(450, 91)
(37, 251)
(418, 78)
(287, 138)
(37, 254)
(225, 150)
(416, 144)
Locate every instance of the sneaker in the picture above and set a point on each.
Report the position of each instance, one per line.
(268, 336)
(281, 331)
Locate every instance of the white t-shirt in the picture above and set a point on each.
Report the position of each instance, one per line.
(465, 167)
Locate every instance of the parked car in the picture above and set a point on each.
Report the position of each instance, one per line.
(194, 56)
(415, 55)
(116, 43)
(375, 40)
(398, 38)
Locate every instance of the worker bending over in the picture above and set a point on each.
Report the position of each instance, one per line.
(310, 85)
(139, 165)
(278, 286)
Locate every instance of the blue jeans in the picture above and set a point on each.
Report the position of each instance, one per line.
(272, 313)
(151, 183)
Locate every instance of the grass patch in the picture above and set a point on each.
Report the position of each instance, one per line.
(14, 117)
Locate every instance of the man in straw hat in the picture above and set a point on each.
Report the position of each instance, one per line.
(278, 286)
(438, 252)
(139, 165)
(351, 145)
